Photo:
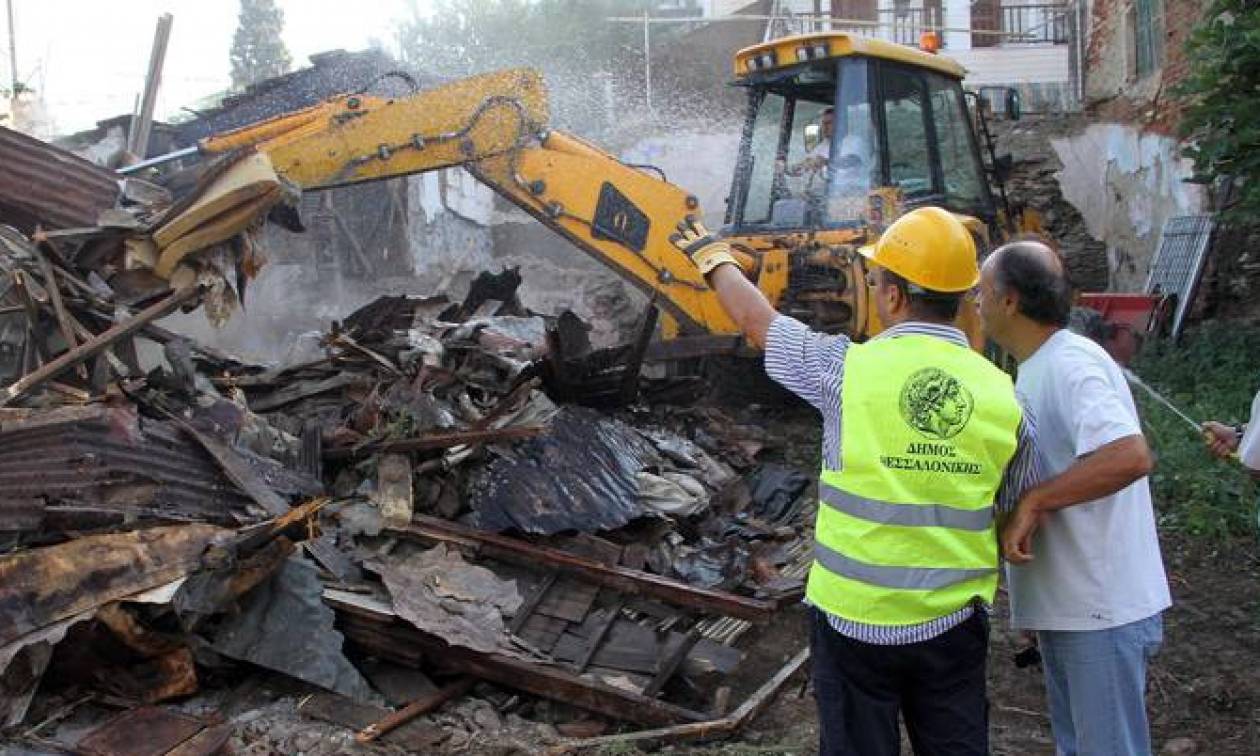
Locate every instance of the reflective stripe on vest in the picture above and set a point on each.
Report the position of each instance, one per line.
(919, 515)
(905, 530)
(902, 578)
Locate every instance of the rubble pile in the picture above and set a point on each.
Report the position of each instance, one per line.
(459, 525)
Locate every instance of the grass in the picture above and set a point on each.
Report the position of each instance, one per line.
(1213, 374)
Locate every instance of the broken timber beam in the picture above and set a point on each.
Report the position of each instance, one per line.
(59, 306)
(713, 728)
(415, 709)
(92, 347)
(670, 664)
(636, 582)
(436, 441)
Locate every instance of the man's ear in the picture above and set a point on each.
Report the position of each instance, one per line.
(1010, 304)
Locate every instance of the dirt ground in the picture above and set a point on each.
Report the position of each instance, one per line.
(1204, 685)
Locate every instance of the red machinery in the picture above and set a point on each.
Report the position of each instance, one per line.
(1126, 319)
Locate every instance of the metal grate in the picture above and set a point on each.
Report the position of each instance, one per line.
(1178, 263)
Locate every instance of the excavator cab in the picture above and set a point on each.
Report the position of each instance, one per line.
(840, 127)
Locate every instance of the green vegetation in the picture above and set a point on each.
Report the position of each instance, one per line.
(593, 66)
(1212, 375)
(1222, 118)
(258, 51)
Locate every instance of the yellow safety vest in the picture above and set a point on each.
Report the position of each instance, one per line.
(905, 530)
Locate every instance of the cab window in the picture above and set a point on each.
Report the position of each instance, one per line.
(960, 170)
(905, 120)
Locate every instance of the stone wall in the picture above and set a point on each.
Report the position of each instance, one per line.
(1034, 183)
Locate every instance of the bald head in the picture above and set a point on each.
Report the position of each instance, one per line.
(1033, 273)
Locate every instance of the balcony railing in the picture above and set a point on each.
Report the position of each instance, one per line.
(1044, 23)
(1034, 24)
(907, 25)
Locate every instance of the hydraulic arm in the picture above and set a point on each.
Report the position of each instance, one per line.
(495, 126)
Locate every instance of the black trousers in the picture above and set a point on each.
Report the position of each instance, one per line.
(937, 686)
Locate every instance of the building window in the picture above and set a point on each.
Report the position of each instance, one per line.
(1148, 27)
(1032, 22)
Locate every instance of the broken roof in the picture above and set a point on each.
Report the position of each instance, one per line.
(50, 187)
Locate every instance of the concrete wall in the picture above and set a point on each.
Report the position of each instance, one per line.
(1126, 183)
(957, 20)
(1013, 64)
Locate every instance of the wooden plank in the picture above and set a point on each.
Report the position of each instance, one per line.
(543, 632)
(531, 603)
(31, 308)
(671, 663)
(64, 322)
(713, 728)
(635, 582)
(386, 636)
(600, 633)
(92, 347)
(436, 441)
(570, 600)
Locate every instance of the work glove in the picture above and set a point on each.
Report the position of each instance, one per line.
(706, 251)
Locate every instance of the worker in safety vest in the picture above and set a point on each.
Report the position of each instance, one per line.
(922, 437)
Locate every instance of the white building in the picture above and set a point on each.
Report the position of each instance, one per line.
(1027, 44)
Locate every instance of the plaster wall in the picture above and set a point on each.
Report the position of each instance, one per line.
(1126, 184)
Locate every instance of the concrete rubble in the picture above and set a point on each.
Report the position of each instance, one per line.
(460, 524)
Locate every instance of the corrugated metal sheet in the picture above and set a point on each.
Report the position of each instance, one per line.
(45, 185)
(107, 462)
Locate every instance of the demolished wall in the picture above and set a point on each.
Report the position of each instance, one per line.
(1126, 183)
(1034, 184)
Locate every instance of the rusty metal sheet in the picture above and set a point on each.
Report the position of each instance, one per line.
(45, 185)
(109, 461)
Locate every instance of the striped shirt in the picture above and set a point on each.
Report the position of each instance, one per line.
(811, 365)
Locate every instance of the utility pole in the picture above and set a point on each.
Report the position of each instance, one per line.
(12, 54)
(647, 59)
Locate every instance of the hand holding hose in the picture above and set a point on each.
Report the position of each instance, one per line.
(1221, 439)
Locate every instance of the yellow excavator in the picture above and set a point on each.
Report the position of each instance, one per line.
(842, 134)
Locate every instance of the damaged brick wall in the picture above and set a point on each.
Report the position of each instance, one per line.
(1114, 88)
(1122, 168)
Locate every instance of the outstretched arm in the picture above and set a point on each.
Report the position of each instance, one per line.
(743, 301)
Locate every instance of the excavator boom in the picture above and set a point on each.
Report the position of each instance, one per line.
(495, 126)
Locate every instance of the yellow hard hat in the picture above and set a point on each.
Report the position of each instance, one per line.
(928, 247)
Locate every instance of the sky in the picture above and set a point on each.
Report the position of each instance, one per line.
(88, 58)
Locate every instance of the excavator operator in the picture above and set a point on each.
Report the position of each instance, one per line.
(923, 439)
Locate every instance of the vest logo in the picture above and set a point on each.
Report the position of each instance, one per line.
(935, 404)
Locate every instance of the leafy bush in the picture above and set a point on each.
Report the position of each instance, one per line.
(1222, 116)
(1212, 375)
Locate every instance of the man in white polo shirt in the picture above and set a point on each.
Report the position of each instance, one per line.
(1085, 570)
